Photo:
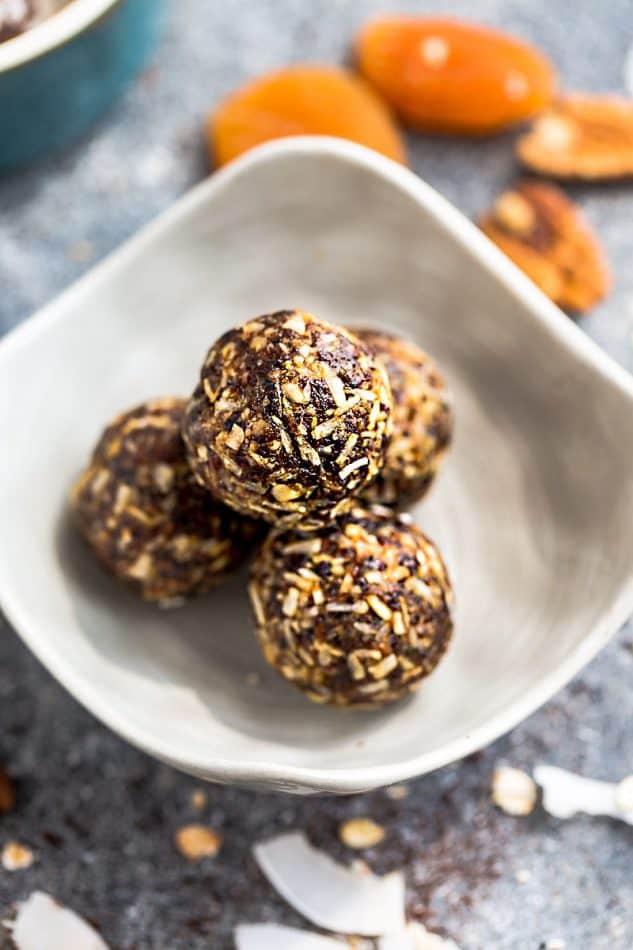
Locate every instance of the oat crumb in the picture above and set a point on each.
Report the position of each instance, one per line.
(624, 795)
(198, 799)
(397, 792)
(198, 841)
(361, 833)
(16, 856)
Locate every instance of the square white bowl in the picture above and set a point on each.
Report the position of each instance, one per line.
(533, 510)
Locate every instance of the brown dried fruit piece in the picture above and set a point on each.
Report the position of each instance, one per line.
(545, 234)
(588, 137)
(7, 792)
(302, 100)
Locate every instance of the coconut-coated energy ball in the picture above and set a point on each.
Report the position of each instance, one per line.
(356, 613)
(144, 515)
(422, 420)
(290, 419)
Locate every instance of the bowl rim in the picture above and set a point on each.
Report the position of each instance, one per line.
(560, 327)
(56, 30)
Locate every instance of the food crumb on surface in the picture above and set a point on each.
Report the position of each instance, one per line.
(361, 833)
(198, 799)
(360, 943)
(16, 856)
(198, 841)
(397, 792)
(513, 791)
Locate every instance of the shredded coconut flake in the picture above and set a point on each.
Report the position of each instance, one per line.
(40, 914)
(565, 794)
(415, 937)
(277, 937)
(330, 895)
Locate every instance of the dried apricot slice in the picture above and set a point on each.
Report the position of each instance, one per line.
(589, 137)
(546, 235)
(444, 75)
(302, 100)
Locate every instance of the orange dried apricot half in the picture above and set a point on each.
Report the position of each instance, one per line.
(302, 100)
(444, 75)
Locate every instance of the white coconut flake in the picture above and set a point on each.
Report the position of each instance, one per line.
(624, 795)
(40, 914)
(415, 937)
(328, 894)
(565, 794)
(277, 937)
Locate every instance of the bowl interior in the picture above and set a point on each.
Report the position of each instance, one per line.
(533, 510)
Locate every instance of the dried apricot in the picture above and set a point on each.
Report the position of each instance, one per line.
(545, 234)
(302, 100)
(589, 137)
(444, 75)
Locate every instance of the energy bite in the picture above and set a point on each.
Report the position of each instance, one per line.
(356, 613)
(148, 521)
(18, 16)
(422, 420)
(290, 419)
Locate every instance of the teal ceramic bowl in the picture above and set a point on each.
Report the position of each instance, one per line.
(60, 76)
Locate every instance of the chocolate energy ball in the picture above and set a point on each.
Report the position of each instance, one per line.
(15, 18)
(18, 16)
(148, 521)
(422, 420)
(356, 613)
(290, 419)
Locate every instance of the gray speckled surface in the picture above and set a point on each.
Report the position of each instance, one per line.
(101, 815)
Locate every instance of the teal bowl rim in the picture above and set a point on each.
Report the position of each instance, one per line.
(55, 31)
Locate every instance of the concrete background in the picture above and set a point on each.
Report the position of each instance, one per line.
(100, 815)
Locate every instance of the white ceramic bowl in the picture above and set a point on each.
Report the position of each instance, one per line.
(534, 509)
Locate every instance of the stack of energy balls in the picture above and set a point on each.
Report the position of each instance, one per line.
(323, 433)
